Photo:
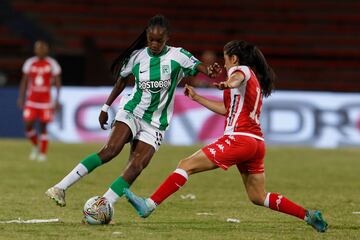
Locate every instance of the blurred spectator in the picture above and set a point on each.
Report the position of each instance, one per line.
(3, 79)
(201, 80)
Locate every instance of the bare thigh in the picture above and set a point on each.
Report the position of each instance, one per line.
(120, 135)
(198, 162)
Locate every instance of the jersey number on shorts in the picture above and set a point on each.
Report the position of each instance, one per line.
(159, 138)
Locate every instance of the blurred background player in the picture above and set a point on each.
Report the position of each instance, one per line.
(249, 79)
(39, 74)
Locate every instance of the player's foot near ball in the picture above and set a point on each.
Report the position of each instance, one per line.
(42, 157)
(315, 219)
(143, 208)
(57, 194)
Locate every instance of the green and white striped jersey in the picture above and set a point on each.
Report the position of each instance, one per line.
(156, 78)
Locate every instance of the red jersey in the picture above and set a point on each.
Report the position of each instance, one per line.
(40, 73)
(243, 105)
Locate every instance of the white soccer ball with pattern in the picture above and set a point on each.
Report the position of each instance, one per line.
(97, 211)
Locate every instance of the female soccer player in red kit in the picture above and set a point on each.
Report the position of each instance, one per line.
(39, 73)
(249, 79)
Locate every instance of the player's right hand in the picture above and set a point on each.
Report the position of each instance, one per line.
(103, 118)
(190, 92)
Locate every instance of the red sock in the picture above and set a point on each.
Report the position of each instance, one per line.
(43, 143)
(280, 203)
(175, 181)
(31, 135)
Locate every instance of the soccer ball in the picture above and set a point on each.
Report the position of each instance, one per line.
(97, 211)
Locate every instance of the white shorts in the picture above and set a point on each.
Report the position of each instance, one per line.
(140, 129)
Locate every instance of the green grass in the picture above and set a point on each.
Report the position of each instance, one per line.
(328, 180)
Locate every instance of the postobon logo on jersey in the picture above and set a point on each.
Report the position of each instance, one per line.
(154, 86)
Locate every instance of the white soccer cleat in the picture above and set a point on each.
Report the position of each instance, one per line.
(42, 157)
(34, 153)
(57, 194)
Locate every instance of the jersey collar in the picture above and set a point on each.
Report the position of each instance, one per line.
(163, 52)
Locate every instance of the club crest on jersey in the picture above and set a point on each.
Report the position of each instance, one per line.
(154, 86)
(165, 69)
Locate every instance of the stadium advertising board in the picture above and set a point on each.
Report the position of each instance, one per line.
(288, 118)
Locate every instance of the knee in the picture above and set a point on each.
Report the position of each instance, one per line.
(108, 152)
(184, 164)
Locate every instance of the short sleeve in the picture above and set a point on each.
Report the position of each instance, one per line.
(126, 69)
(188, 62)
(27, 65)
(245, 70)
(55, 67)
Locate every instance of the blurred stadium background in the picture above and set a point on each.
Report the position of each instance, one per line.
(314, 48)
(312, 45)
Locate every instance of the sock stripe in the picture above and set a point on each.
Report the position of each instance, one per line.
(91, 162)
(118, 186)
(267, 200)
(182, 172)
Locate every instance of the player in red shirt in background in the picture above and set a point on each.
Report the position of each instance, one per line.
(39, 74)
(249, 79)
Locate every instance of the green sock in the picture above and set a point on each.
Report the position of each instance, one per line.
(118, 186)
(91, 162)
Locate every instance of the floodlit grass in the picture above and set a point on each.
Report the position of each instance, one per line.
(328, 180)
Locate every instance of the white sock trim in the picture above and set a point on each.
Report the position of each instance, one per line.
(81, 170)
(111, 196)
(75, 175)
(182, 172)
(151, 203)
(267, 200)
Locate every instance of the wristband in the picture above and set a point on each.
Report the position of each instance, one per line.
(105, 108)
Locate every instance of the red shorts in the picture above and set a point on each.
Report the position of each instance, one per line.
(245, 152)
(43, 115)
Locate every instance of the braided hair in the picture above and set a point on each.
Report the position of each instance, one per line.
(140, 42)
(251, 56)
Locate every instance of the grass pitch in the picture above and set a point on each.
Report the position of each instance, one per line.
(328, 180)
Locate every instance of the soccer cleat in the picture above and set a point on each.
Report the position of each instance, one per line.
(57, 194)
(42, 157)
(34, 153)
(140, 204)
(315, 219)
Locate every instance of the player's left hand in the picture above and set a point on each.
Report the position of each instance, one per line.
(214, 70)
(221, 85)
(190, 92)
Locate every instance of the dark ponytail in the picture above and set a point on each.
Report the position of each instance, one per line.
(140, 42)
(124, 57)
(251, 56)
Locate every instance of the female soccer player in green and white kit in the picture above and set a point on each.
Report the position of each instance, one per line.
(144, 115)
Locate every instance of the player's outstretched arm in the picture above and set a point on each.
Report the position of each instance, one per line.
(215, 106)
(212, 71)
(115, 92)
(234, 81)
